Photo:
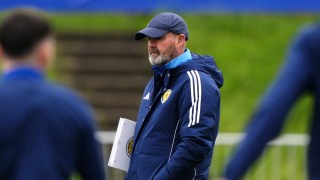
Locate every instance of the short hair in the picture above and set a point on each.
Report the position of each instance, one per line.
(21, 31)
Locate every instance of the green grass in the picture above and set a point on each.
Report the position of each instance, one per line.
(249, 49)
(285, 162)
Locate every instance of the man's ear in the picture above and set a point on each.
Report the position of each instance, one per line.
(5, 64)
(42, 55)
(1, 54)
(46, 53)
(181, 40)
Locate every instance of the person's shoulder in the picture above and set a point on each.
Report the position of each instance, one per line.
(204, 71)
(309, 33)
(194, 74)
(191, 72)
(58, 90)
(310, 29)
(63, 106)
(63, 99)
(60, 94)
(307, 39)
(200, 79)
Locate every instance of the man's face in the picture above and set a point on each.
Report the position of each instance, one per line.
(163, 49)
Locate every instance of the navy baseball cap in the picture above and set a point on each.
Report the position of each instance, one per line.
(163, 23)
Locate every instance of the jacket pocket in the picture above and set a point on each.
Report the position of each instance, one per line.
(149, 166)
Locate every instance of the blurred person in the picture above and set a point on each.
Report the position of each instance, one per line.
(299, 75)
(46, 131)
(179, 114)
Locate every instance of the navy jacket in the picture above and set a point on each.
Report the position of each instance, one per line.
(299, 75)
(46, 131)
(178, 123)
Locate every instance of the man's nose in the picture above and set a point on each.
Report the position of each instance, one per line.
(152, 43)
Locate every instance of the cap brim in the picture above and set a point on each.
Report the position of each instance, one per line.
(150, 32)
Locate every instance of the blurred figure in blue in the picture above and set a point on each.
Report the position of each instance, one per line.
(299, 75)
(46, 131)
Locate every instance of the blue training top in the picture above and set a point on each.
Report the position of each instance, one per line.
(178, 122)
(46, 131)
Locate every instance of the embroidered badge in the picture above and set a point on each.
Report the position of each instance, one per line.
(129, 147)
(165, 96)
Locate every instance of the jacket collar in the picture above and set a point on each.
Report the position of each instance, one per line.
(23, 72)
(186, 56)
(179, 60)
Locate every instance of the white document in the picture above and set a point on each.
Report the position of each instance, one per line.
(122, 145)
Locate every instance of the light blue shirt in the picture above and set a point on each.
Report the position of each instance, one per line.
(186, 56)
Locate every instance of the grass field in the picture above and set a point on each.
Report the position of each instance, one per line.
(249, 49)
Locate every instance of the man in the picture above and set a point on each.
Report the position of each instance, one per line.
(46, 131)
(179, 114)
(299, 75)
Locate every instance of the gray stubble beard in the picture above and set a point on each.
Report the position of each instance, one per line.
(161, 60)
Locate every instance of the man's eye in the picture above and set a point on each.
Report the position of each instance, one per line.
(155, 39)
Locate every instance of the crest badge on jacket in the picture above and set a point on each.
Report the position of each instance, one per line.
(165, 96)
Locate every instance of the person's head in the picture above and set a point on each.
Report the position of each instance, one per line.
(167, 34)
(26, 39)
